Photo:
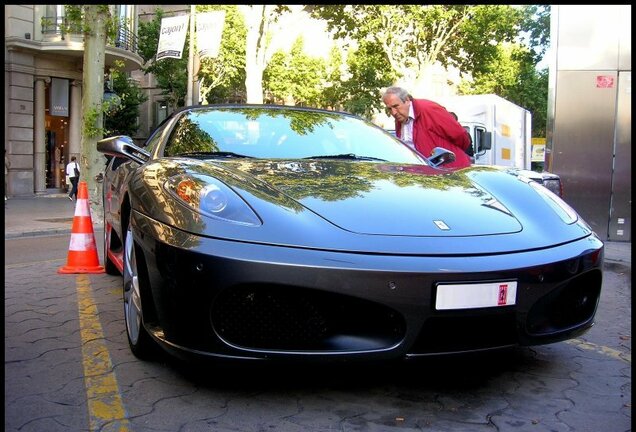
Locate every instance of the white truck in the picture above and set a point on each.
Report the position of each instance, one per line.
(501, 133)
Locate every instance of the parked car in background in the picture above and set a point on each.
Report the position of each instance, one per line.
(285, 233)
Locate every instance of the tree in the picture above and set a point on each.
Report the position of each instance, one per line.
(415, 37)
(295, 77)
(368, 71)
(171, 73)
(222, 79)
(97, 25)
(91, 161)
(122, 120)
(258, 20)
(332, 90)
(513, 76)
(512, 73)
(535, 29)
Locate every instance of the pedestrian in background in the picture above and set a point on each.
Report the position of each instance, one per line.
(73, 173)
(424, 125)
(7, 165)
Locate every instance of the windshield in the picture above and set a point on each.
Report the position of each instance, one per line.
(283, 133)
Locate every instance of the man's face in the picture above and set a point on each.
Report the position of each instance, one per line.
(398, 109)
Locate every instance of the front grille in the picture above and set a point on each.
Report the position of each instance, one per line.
(569, 306)
(445, 334)
(266, 317)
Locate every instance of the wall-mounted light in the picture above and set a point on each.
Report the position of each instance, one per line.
(27, 35)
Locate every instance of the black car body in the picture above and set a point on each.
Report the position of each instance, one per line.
(275, 232)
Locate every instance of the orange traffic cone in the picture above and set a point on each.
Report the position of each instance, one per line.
(82, 251)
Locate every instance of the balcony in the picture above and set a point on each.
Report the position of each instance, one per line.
(60, 39)
(124, 38)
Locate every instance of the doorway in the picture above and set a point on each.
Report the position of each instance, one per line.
(56, 151)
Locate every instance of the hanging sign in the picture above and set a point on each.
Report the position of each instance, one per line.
(58, 97)
(209, 27)
(172, 37)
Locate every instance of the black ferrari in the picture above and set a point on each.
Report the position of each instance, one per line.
(287, 233)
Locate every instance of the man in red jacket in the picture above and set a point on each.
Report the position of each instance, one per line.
(424, 125)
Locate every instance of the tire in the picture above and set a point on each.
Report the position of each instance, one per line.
(141, 343)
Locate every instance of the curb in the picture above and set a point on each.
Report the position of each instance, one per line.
(37, 233)
(44, 232)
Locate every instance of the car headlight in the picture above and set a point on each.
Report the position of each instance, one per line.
(565, 212)
(211, 197)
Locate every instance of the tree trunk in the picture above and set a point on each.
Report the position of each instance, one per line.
(91, 161)
(254, 52)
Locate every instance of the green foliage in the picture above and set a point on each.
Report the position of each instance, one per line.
(497, 45)
(75, 22)
(171, 73)
(189, 137)
(222, 78)
(535, 28)
(413, 36)
(300, 79)
(123, 119)
(369, 71)
(512, 71)
(332, 89)
(148, 36)
(295, 76)
(91, 123)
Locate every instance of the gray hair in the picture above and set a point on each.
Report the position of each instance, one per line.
(399, 92)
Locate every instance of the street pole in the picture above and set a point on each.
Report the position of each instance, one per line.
(190, 59)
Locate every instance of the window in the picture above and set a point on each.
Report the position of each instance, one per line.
(52, 19)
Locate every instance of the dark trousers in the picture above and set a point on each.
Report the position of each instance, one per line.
(73, 193)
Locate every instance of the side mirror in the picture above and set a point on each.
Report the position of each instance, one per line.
(441, 156)
(122, 146)
(484, 140)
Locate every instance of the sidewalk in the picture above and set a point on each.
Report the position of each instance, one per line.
(48, 214)
(52, 214)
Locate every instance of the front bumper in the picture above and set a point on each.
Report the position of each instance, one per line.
(205, 297)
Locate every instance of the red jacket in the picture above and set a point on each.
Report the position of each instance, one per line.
(435, 127)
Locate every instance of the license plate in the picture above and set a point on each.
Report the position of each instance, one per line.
(471, 296)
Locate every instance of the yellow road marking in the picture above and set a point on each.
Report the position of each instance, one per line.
(601, 350)
(105, 407)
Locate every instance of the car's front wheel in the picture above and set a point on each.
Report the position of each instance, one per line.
(141, 344)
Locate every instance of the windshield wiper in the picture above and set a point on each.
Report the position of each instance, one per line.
(223, 154)
(350, 156)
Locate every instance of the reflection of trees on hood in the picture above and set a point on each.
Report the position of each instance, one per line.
(330, 180)
(287, 182)
(325, 181)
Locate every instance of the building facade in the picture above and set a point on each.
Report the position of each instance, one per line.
(43, 90)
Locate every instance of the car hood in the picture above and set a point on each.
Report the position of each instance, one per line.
(386, 199)
(381, 207)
